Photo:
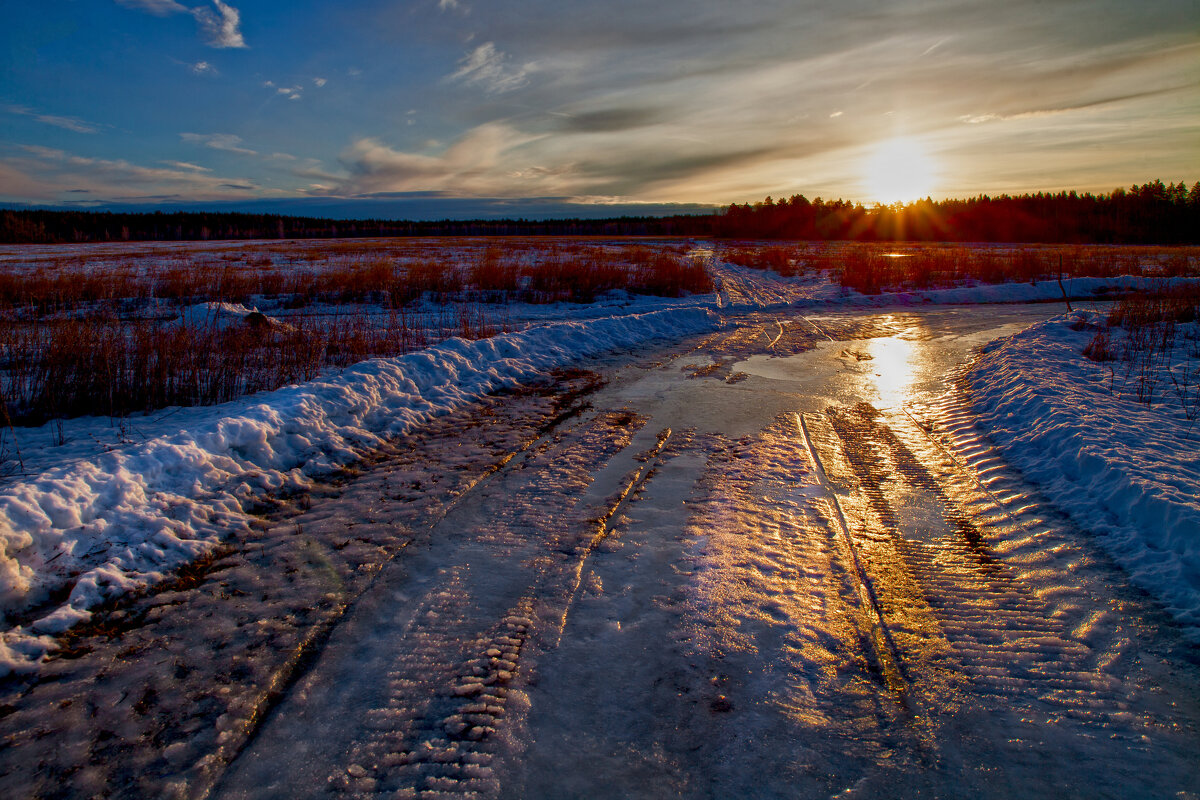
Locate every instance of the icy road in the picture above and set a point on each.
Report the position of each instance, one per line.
(774, 561)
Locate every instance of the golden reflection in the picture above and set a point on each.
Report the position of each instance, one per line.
(892, 369)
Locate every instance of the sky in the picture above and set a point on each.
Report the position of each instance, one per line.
(463, 105)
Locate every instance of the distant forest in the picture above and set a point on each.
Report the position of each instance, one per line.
(1153, 213)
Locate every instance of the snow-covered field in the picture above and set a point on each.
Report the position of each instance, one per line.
(101, 509)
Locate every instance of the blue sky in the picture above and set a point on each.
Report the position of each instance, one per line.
(149, 102)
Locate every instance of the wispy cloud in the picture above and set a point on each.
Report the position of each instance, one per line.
(486, 66)
(319, 82)
(977, 119)
(480, 162)
(220, 27)
(52, 173)
(187, 165)
(204, 68)
(290, 92)
(159, 8)
(226, 142)
(67, 123)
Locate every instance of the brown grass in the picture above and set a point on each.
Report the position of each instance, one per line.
(96, 331)
(1160, 348)
(878, 267)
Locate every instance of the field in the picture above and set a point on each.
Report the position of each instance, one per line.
(118, 329)
(115, 330)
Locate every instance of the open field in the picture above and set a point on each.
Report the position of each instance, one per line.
(893, 266)
(115, 330)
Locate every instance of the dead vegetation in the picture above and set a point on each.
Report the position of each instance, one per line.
(1150, 343)
(888, 266)
(100, 330)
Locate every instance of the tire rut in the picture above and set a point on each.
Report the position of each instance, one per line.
(1026, 650)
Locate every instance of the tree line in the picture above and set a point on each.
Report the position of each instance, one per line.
(1152, 213)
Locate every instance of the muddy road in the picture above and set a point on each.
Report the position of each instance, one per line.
(776, 561)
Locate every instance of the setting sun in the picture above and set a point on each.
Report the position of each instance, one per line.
(899, 170)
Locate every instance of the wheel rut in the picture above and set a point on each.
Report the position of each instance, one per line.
(977, 626)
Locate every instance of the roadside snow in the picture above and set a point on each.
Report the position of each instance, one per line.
(106, 525)
(1127, 473)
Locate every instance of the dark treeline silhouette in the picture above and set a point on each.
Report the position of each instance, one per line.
(21, 226)
(1153, 213)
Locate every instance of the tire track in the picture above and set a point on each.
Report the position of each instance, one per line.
(1024, 657)
(880, 644)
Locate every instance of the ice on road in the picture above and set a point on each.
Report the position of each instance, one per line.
(777, 560)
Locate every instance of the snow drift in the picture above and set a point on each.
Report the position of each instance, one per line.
(1127, 473)
(101, 527)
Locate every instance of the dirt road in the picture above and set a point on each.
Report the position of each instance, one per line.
(777, 561)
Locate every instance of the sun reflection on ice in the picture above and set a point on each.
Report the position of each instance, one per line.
(892, 369)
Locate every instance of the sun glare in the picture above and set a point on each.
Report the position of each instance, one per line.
(899, 170)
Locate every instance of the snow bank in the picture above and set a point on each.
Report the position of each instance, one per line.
(101, 527)
(1127, 473)
(1040, 292)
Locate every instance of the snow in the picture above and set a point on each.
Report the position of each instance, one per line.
(104, 508)
(1126, 472)
(106, 525)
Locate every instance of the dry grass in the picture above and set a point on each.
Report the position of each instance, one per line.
(874, 268)
(1159, 349)
(388, 271)
(96, 330)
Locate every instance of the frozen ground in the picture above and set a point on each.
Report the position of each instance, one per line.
(760, 551)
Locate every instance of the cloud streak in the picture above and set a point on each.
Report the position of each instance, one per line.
(159, 8)
(66, 123)
(225, 142)
(487, 67)
(58, 173)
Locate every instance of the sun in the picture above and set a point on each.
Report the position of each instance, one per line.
(899, 170)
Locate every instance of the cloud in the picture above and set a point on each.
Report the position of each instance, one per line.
(481, 162)
(226, 142)
(45, 173)
(290, 92)
(485, 66)
(187, 165)
(319, 82)
(67, 123)
(446, 5)
(159, 8)
(204, 68)
(220, 27)
(977, 119)
(610, 120)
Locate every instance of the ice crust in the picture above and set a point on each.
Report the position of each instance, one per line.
(107, 525)
(1127, 473)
